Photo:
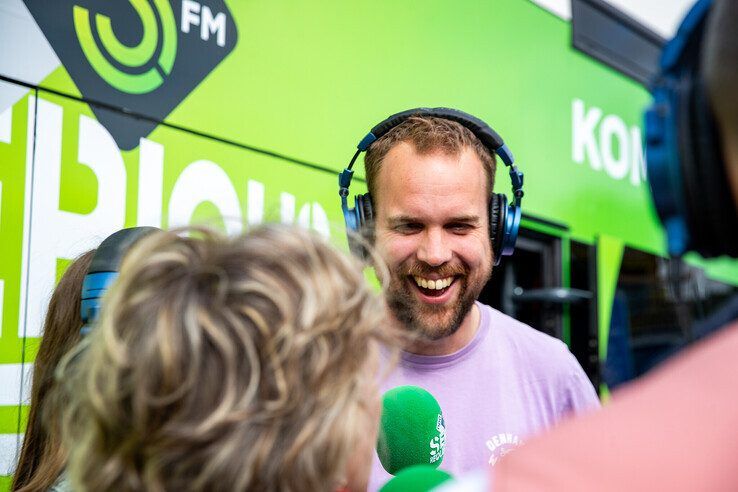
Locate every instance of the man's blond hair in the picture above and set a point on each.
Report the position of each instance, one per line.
(235, 364)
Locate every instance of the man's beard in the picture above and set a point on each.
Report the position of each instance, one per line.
(432, 321)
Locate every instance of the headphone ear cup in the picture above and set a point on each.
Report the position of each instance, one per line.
(497, 213)
(367, 209)
(367, 223)
(103, 271)
(364, 219)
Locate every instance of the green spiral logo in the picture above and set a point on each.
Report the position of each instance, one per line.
(133, 57)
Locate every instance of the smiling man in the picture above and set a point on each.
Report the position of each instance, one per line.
(497, 380)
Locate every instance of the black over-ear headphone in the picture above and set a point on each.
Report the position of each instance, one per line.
(504, 219)
(685, 164)
(103, 271)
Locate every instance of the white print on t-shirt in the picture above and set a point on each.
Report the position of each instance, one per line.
(501, 444)
(438, 443)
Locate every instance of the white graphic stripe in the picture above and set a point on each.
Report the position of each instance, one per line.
(2, 290)
(16, 386)
(9, 449)
(30, 148)
(6, 120)
(150, 183)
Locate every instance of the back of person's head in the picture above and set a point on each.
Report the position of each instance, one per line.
(228, 363)
(42, 457)
(720, 69)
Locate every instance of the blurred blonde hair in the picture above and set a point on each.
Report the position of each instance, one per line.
(224, 363)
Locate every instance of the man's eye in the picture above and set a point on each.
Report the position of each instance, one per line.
(459, 228)
(408, 228)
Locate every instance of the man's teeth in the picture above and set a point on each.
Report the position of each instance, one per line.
(434, 284)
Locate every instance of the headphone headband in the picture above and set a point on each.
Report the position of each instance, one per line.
(489, 138)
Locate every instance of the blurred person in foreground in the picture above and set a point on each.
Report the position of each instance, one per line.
(244, 363)
(677, 428)
(42, 457)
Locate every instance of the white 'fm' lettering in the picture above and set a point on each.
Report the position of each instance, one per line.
(194, 14)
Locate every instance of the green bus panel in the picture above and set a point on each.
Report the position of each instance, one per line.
(308, 80)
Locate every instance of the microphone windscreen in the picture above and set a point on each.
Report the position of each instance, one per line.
(412, 430)
(418, 478)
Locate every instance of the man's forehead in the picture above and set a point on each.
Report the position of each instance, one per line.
(431, 201)
(406, 150)
(406, 153)
(405, 171)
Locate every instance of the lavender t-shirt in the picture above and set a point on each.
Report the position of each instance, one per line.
(508, 383)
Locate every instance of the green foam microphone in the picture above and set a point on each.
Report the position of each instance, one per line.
(412, 430)
(418, 478)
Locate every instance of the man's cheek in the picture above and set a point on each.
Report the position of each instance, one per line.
(398, 253)
(385, 249)
(475, 253)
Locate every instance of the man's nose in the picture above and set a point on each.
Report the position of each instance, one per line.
(434, 250)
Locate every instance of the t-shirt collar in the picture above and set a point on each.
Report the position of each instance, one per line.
(429, 361)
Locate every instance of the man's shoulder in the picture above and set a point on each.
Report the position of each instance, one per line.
(521, 334)
(535, 359)
(525, 341)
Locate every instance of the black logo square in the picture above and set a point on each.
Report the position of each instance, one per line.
(138, 56)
